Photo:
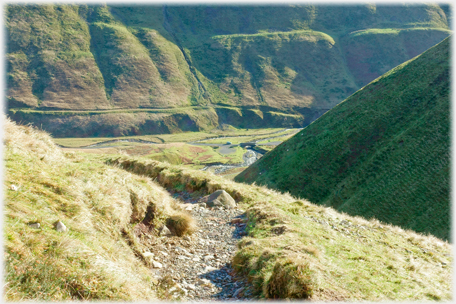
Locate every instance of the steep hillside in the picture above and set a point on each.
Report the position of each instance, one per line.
(296, 60)
(300, 56)
(383, 152)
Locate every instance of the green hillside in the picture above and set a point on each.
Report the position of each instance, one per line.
(298, 60)
(383, 152)
(99, 256)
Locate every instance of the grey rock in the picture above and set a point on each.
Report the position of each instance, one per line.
(156, 264)
(209, 268)
(221, 198)
(165, 231)
(59, 226)
(34, 225)
(237, 292)
(148, 256)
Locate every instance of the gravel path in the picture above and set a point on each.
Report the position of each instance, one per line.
(198, 267)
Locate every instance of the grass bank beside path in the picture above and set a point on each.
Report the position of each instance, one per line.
(99, 257)
(295, 249)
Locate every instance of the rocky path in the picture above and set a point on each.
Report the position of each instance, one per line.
(198, 267)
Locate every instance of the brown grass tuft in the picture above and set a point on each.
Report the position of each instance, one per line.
(181, 224)
(291, 278)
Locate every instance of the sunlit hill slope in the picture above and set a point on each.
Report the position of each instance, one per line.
(384, 152)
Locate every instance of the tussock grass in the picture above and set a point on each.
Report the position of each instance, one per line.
(98, 257)
(181, 224)
(295, 249)
(290, 278)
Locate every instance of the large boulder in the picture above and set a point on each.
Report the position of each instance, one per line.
(220, 198)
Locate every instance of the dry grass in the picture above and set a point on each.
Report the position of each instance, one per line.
(98, 257)
(290, 278)
(181, 224)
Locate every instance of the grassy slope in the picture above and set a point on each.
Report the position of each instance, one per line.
(99, 257)
(268, 69)
(50, 63)
(141, 68)
(383, 152)
(367, 59)
(253, 55)
(295, 249)
(133, 57)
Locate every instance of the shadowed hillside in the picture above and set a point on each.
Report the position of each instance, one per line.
(383, 152)
(246, 63)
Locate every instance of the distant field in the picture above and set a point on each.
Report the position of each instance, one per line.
(194, 136)
(83, 142)
(169, 138)
(174, 148)
(195, 157)
(282, 138)
(268, 148)
(179, 153)
(257, 137)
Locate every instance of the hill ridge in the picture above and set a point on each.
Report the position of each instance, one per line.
(120, 56)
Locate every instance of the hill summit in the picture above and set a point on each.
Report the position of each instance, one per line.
(384, 152)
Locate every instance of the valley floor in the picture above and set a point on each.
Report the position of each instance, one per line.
(224, 153)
